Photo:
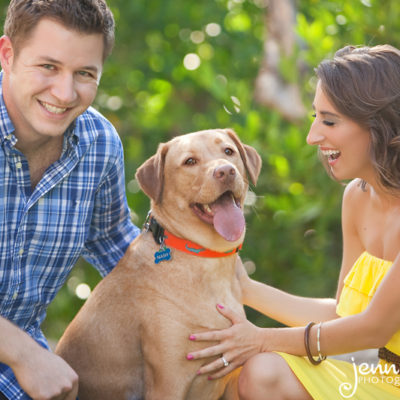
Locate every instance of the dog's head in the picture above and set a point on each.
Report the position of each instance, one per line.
(197, 184)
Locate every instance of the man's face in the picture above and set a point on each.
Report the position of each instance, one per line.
(52, 80)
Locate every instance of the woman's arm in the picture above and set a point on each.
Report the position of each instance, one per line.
(286, 308)
(296, 310)
(371, 328)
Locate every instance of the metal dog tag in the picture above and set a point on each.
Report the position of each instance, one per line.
(164, 254)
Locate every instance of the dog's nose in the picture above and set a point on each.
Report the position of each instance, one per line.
(224, 173)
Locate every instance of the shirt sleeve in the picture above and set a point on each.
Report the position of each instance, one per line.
(111, 229)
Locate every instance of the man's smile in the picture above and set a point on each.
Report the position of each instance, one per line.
(53, 109)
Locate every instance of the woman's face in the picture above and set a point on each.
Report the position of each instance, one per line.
(343, 142)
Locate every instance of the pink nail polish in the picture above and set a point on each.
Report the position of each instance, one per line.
(192, 337)
(220, 306)
(190, 357)
(209, 378)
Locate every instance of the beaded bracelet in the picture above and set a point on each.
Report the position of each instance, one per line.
(307, 345)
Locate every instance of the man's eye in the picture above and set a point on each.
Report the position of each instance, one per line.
(190, 161)
(48, 66)
(85, 74)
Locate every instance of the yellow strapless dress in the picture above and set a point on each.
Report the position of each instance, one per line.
(335, 379)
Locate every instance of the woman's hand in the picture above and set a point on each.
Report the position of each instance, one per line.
(236, 344)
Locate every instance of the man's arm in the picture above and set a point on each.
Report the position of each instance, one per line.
(111, 229)
(41, 374)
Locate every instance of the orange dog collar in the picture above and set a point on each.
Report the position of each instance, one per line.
(187, 246)
(166, 239)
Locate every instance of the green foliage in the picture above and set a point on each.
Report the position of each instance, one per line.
(179, 67)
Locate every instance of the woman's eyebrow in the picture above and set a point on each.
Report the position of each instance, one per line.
(326, 113)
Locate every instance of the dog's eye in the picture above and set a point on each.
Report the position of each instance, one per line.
(228, 151)
(190, 161)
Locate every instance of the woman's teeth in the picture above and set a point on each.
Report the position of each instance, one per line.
(331, 154)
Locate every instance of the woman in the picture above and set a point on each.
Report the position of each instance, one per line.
(357, 131)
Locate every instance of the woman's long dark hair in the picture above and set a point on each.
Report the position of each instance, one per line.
(363, 83)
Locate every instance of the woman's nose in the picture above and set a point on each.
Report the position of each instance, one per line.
(315, 136)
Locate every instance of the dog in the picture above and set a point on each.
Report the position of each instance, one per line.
(129, 341)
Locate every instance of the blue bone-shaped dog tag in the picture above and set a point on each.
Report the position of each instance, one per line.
(162, 255)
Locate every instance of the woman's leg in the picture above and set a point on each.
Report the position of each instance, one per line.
(268, 376)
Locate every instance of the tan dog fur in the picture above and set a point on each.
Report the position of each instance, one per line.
(130, 339)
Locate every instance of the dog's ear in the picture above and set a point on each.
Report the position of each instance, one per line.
(150, 174)
(250, 157)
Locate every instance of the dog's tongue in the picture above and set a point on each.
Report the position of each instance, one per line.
(228, 218)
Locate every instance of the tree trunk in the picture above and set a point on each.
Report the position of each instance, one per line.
(271, 89)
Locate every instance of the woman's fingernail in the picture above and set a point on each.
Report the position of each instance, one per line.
(209, 378)
(220, 306)
(192, 337)
(198, 372)
(190, 357)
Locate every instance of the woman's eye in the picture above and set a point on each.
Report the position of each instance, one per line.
(190, 161)
(228, 151)
(325, 122)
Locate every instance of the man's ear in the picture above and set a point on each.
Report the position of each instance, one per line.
(150, 174)
(6, 53)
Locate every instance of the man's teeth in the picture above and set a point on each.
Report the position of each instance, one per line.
(328, 153)
(53, 109)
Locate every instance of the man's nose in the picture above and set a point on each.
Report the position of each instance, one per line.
(63, 89)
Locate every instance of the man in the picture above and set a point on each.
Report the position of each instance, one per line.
(61, 179)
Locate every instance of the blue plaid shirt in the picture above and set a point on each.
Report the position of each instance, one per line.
(78, 209)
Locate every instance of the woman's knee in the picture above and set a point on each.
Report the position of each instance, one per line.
(258, 375)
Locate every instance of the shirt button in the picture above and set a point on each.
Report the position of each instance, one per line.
(15, 295)
(9, 137)
(18, 165)
(21, 251)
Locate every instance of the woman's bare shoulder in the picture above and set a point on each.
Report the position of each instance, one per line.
(356, 191)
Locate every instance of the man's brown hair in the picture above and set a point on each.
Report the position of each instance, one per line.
(84, 16)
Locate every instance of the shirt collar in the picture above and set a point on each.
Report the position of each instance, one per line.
(6, 126)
